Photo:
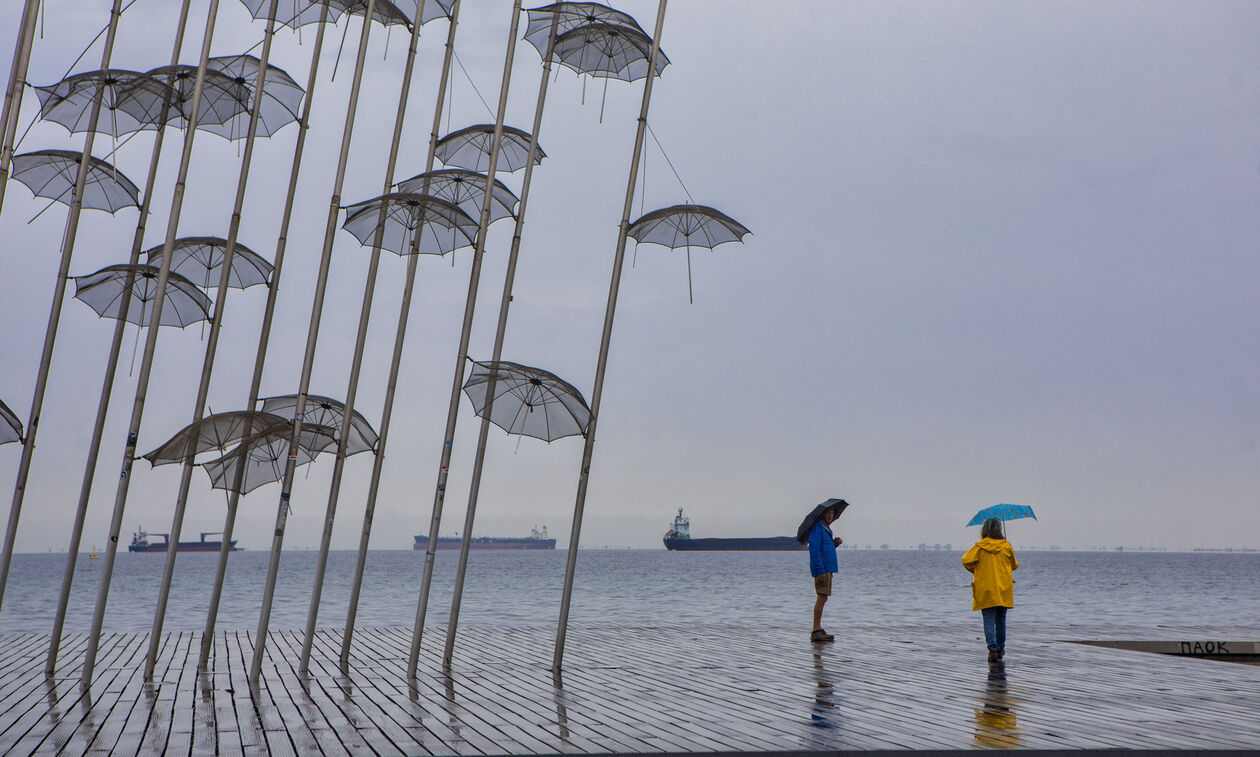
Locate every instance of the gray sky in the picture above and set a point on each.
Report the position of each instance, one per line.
(1001, 252)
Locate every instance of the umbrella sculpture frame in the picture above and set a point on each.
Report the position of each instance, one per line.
(100, 176)
(13, 92)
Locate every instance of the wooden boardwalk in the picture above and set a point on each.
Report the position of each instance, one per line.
(631, 690)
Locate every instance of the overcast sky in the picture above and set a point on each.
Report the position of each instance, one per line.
(1001, 252)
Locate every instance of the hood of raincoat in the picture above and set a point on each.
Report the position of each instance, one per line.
(996, 546)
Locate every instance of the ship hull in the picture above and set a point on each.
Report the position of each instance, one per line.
(750, 544)
(486, 542)
(184, 546)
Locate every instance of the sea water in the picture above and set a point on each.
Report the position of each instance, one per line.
(645, 587)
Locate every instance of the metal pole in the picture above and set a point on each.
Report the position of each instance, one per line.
(470, 304)
(356, 364)
(54, 315)
(212, 342)
(111, 367)
(146, 364)
(504, 304)
(413, 262)
(13, 92)
(312, 337)
(598, 390)
(260, 357)
(263, 338)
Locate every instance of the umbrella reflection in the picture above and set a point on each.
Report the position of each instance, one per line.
(823, 714)
(995, 717)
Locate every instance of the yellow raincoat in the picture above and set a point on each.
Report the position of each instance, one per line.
(991, 561)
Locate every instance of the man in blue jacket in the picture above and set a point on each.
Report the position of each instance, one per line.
(822, 565)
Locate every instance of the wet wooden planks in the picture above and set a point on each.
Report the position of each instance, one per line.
(625, 690)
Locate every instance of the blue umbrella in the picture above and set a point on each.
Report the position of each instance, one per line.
(1003, 512)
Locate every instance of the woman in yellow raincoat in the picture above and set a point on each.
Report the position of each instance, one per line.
(991, 561)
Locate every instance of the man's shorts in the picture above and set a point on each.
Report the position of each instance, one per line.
(822, 584)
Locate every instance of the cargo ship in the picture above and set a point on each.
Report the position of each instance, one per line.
(678, 537)
(537, 539)
(140, 543)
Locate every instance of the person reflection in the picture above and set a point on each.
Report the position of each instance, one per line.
(824, 715)
(995, 717)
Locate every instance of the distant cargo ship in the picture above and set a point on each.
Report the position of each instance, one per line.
(536, 540)
(140, 543)
(679, 538)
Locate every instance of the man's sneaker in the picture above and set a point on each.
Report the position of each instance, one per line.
(994, 654)
(819, 634)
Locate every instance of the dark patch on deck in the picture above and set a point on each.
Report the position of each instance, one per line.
(661, 690)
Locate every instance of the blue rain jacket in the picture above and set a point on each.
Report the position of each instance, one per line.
(822, 550)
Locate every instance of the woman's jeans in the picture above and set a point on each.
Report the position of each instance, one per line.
(995, 627)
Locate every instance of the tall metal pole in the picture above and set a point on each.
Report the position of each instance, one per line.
(264, 336)
(54, 315)
(146, 364)
(504, 304)
(602, 365)
(212, 341)
(413, 263)
(111, 367)
(356, 363)
(312, 338)
(17, 84)
(470, 305)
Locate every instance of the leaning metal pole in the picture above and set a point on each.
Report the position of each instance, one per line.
(212, 341)
(54, 315)
(470, 304)
(17, 85)
(146, 364)
(356, 363)
(312, 337)
(264, 336)
(111, 368)
(598, 390)
(505, 302)
(413, 263)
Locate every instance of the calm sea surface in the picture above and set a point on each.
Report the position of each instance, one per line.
(641, 587)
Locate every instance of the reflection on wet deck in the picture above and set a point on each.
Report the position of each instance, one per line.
(626, 690)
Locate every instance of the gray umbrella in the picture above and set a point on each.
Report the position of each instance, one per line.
(265, 456)
(687, 226)
(607, 50)
(132, 101)
(184, 303)
(470, 148)
(282, 96)
(222, 97)
(215, 433)
(10, 426)
(52, 174)
(328, 413)
(412, 223)
(464, 188)
(528, 401)
(839, 505)
(200, 259)
(571, 16)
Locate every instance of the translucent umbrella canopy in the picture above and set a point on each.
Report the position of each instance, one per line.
(216, 433)
(569, 16)
(52, 174)
(282, 96)
(464, 188)
(222, 97)
(411, 223)
(687, 226)
(130, 101)
(608, 50)
(200, 260)
(325, 412)
(527, 401)
(295, 13)
(10, 426)
(469, 148)
(183, 303)
(264, 456)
